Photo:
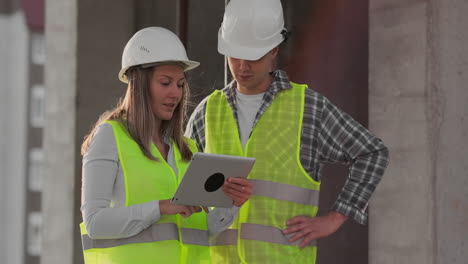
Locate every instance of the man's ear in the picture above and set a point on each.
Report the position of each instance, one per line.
(274, 51)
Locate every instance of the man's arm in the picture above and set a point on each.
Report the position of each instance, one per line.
(342, 139)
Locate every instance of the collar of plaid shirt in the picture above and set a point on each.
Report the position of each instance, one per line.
(280, 82)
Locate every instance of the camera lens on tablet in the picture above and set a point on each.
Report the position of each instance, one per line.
(214, 182)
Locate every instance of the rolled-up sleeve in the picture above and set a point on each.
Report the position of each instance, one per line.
(343, 140)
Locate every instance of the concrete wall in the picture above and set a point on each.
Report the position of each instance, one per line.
(13, 121)
(418, 98)
(448, 112)
(202, 46)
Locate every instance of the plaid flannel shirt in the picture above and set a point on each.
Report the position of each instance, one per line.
(328, 135)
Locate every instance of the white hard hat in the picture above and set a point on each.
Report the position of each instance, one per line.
(154, 45)
(251, 28)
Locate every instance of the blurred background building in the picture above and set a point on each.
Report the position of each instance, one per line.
(399, 67)
(22, 98)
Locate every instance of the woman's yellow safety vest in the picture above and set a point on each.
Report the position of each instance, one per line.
(282, 188)
(172, 239)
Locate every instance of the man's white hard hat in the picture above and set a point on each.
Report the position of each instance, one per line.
(251, 28)
(154, 45)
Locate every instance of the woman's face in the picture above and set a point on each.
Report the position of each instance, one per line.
(167, 86)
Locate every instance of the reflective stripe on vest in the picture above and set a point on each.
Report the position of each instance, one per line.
(156, 232)
(226, 238)
(285, 192)
(255, 232)
(195, 237)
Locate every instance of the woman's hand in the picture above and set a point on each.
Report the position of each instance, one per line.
(168, 208)
(239, 189)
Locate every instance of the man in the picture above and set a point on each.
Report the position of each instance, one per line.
(290, 130)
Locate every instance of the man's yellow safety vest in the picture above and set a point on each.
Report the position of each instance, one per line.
(172, 239)
(282, 188)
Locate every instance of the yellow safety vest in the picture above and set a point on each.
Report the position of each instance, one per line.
(282, 188)
(172, 239)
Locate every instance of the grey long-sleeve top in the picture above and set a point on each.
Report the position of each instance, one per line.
(103, 194)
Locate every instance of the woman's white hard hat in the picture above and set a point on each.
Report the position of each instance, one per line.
(154, 45)
(251, 28)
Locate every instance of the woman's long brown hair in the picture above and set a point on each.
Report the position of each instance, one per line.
(135, 113)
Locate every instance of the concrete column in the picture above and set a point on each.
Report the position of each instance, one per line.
(13, 127)
(59, 132)
(418, 98)
(85, 40)
(448, 112)
(402, 209)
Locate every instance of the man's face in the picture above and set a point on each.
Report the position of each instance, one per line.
(253, 76)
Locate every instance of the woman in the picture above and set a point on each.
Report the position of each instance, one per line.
(134, 158)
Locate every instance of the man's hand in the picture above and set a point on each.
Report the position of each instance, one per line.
(312, 228)
(239, 189)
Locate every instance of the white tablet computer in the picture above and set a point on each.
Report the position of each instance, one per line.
(204, 177)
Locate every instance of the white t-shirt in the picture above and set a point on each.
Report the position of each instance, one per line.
(247, 108)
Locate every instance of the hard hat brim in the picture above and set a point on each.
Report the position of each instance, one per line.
(242, 52)
(190, 65)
